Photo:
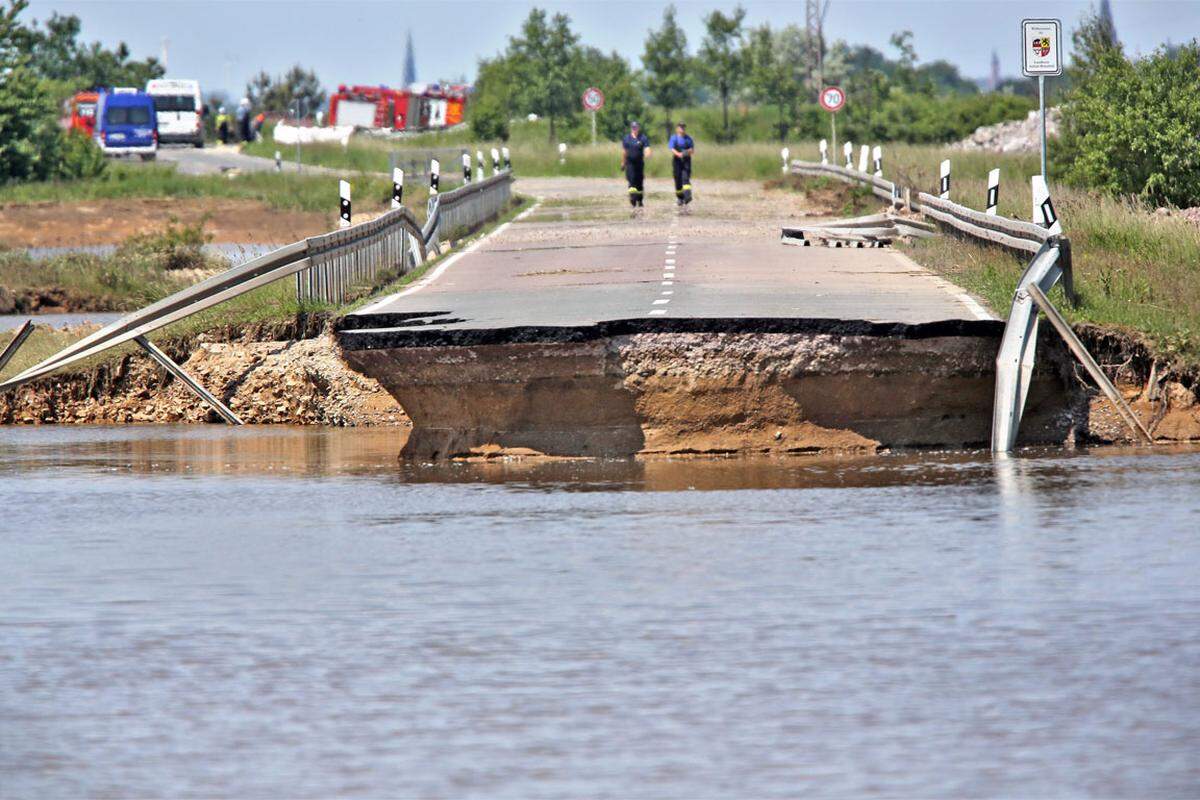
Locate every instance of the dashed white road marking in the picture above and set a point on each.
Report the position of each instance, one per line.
(657, 311)
(668, 283)
(669, 291)
(660, 302)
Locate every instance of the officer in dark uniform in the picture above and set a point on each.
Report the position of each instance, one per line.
(682, 146)
(635, 149)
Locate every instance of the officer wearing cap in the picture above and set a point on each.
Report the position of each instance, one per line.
(635, 149)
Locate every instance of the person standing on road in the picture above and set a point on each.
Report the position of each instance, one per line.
(682, 146)
(223, 125)
(635, 149)
(243, 120)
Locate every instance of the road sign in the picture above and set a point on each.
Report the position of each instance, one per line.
(832, 98)
(593, 99)
(1041, 47)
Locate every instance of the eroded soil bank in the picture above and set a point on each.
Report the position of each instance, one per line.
(285, 374)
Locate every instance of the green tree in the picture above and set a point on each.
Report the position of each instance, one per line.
(670, 80)
(777, 71)
(29, 136)
(623, 100)
(723, 59)
(55, 52)
(278, 95)
(544, 57)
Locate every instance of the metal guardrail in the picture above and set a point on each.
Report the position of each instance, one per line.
(880, 187)
(325, 267)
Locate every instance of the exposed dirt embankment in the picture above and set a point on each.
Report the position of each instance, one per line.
(796, 386)
(287, 373)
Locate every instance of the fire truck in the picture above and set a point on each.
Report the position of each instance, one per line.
(417, 108)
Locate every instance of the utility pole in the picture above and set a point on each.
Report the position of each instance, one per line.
(814, 22)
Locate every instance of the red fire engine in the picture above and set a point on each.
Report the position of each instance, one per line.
(83, 113)
(419, 108)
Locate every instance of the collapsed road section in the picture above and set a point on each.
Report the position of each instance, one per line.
(571, 336)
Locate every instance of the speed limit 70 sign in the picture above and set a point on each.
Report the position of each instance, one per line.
(832, 98)
(593, 99)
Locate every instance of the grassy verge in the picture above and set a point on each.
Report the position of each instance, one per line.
(277, 191)
(1133, 270)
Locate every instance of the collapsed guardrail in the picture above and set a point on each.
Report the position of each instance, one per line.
(325, 267)
(1051, 263)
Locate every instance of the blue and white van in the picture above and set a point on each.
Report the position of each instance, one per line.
(126, 124)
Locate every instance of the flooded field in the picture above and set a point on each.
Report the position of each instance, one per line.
(269, 612)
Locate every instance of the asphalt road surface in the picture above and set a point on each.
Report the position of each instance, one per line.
(578, 258)
(218, 159)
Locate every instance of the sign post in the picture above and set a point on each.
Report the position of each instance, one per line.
(593, 101)
(832, 100)
(1041, 55)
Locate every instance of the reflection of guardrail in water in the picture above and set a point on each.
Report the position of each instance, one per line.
(325, 267)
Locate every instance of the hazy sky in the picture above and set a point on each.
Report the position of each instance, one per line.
(222, 43)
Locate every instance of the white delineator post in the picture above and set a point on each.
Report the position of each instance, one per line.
(877, 157)
(993, 194)
(864, 154)
(824, 147)
(278, 161)
(944, 182)
(397, 187)
(435, 177)
(478, 165)
(848, 152)
(466, 164)
(1043, 209)
(507, 160)
(495, 161)
(343, 204)
(562, 152)
(784, 153)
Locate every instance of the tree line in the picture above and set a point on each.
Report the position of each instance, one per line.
(546, 67)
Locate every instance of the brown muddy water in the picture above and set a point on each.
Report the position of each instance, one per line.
(273, 612)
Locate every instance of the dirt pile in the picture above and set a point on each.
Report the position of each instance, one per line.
(302, 382)
(1015, 136)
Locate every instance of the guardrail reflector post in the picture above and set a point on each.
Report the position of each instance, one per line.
(478, 165)
(1043, 209)
(278, 161)
(344, 197)
(823, 146)
(863, 155)
(495, 161)
(993, 195)
(877, 157)
(848, 152)
(784, 153)
(466, 162)
(397, 187)
(944, 183)
(435, 176)
(562, 152)
(507, 161)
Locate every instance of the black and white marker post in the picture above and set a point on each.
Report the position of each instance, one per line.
(993, 195)
(824, 147)
(435, 177)
(495, 161)
(877, 157)
(397, 187)
(478, 165)
(466, 162)
(944, 182)
(848, 152)
(507, 161)
(344, 197)
(278, 161)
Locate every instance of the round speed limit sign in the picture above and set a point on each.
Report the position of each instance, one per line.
(832, 98)
(593, 99)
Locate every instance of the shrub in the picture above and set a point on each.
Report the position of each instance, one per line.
(1131, 127)
(79, 157)
(489, 120)
(175, 247)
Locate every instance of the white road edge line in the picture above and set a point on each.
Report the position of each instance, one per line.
(449, 262)
(971, 304)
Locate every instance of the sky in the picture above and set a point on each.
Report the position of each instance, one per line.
(223, 42)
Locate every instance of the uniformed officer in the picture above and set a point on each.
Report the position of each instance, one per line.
(682, 146)
(635, 149)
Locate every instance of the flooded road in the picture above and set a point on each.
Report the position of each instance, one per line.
(271, 612)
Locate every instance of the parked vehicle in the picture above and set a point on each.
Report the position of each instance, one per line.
(179, 109)
(126, 124)
(417, 108)
(83, 113)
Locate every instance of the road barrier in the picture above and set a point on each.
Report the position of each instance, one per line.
(326, 268)
(1051, 263)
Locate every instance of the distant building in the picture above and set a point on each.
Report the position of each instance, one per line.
(410, 63)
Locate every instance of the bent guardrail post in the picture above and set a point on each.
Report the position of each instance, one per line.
(15, 343)
(1064, 330)
(164, 360)
(1014, 361)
